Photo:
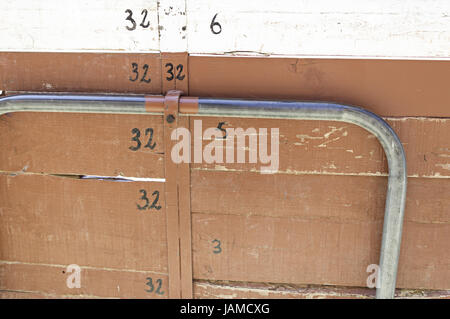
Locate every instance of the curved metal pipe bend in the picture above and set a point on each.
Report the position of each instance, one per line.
(136, 104)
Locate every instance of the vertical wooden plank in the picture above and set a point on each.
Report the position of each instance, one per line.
(184, 201)
(171, 194)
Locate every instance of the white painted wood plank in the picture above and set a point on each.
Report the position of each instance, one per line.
(325, 28)
(409, 28)
(77, 25)
(172, 21)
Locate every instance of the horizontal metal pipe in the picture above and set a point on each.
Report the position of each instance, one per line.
(397, 180)
(74, 103)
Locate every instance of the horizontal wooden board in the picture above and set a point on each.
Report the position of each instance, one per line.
(339, 198)
(231, 290)
(50, 281)
(315, 147)
(386, 28)
(320, 27)
(314, 229)
(63, 221)
(86, 144)
(51, 25)
(80, 72)
(385, 87)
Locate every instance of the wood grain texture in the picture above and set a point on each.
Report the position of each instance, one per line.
(85, 144)
(233, 290)
(386, 87)
(49, 281)
(324, 147)
(51, 25)
(79, 72)
(320, 27)
(55, 220)
(171, 191)
(314, 229)
(386, 28)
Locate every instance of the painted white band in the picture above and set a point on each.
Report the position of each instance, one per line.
(364, 28)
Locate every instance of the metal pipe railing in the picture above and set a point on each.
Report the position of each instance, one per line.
(140, 104)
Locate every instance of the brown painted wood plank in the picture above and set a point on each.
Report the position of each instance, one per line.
(184, 202)
(334, 197)
(54, 220)
(171, 194)
(91, 144)
(386, 87)
(80, 72)
(49, 281)
(231, 290)
(316, 147)
(314, 229)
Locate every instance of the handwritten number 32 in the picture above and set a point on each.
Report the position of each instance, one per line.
(147, 201)
(133, 22)
(137, 134)
(151, 287)
(171, 76)
(135, 70)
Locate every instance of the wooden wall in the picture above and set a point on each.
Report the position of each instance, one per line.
(309, 231)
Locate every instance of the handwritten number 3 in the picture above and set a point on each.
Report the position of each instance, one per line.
(217, 248)
(130, 18)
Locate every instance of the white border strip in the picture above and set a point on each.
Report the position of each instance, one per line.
(410, 29)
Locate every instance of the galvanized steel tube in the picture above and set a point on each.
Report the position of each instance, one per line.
(135, 104)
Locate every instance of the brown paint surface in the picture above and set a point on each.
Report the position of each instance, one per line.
(79, 72)
(184, 202)
(171, 194)
(209, 290)
(154, 103)
(91, 144)
(386, 87)
(50, 281)
(314, 229)
(55, 220)
(324, 147)
(335, 221)
(189, 104)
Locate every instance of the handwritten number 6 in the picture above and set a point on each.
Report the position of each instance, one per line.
(215, 24)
